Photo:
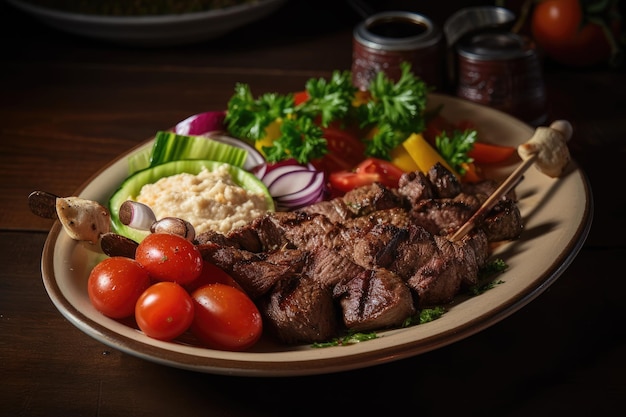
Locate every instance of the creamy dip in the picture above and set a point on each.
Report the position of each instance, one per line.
(210, 200)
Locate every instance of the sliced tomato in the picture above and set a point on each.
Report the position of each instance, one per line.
(345, 150)
(300, 97)
(485, 153)
(366, 172)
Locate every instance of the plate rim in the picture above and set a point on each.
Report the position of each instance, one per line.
(312, 365)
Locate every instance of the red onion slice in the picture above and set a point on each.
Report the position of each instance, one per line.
(292, 182)
(277, 180)
(312, 192)
(200, 123)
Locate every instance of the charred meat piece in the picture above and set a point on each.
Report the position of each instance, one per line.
(374, 299)
(503, 222)
(446, 185)
(444, 215)
(369, 198)
(395, 216)
(329, 268)
(415, 187)
(300, 310)
(256, 273)
(336, 210)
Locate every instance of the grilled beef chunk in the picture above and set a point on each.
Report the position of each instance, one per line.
(369, 198)
(415, 187)
(374, 299)
(300, 310)
(256, 273)
(446, 185)
(336, 210)
(443, 216)
(329, 268)
(503, 222)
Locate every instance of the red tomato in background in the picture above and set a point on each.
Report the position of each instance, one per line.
(225, 318)
(169, 257)
(164, 311)
(366, 172)
(567, 34)
(115, 285)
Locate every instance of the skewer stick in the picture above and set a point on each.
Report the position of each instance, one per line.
(547, 147)
(502, 190)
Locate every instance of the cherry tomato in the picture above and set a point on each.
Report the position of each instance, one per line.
(211, 274)
(169, 257)
(115, 284)
(571, 36)
(225, 318)
(164, 310)
(367, 172)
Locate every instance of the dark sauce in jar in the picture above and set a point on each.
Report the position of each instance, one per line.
(382, 42)
(398, 28)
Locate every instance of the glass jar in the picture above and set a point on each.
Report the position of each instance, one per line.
(385, 40)
(502, 70)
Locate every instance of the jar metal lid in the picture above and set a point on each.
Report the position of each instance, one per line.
(423, 35)
(494, 46)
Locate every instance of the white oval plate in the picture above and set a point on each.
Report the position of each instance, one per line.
(163, 30)
(557, 215)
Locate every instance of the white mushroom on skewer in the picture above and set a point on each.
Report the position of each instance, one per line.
(549, 146)
(546, 149)
(82, 219)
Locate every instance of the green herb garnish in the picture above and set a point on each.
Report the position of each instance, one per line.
(349, 339)
(454, 149)
(394, 111)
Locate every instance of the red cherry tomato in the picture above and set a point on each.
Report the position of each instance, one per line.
(367, 172)
(570, 35)
(211, 274)
(169, 257)
(225, 318)
(115, 284)
(164, 311)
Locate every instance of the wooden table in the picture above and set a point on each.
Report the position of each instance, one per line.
(70, 105)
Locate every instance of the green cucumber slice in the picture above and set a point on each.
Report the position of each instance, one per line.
(169, 146)
(130, 188)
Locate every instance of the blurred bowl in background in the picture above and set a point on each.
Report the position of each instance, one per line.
(153, 30)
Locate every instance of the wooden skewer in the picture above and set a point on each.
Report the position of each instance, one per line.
(502, 190)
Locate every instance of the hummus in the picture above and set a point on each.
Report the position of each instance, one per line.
(210, 200)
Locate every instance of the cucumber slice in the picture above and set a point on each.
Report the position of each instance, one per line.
(169, 146)
(131, 187)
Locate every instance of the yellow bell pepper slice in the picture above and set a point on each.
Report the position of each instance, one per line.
(402, 159)
(272, 132)
(424, 155)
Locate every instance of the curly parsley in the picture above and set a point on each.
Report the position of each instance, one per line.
(394, 111)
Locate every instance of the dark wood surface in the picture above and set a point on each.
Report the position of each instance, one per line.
(70, 105)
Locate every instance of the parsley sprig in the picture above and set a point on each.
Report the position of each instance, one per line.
(394, 111)
(454, 148)
(395, 108)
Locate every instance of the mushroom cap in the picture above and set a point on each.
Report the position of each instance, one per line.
(549, 144)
